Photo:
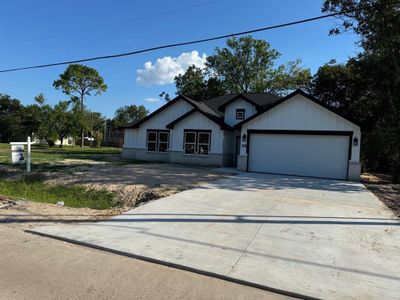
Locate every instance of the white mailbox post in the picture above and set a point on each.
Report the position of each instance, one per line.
(18, 155)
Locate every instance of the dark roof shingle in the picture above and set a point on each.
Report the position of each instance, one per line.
(260, 99)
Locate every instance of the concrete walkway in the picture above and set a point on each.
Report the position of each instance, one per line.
(322, 238)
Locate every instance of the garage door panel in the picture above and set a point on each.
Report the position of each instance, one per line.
(295, 154)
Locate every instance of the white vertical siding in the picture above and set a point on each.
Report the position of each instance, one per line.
(300, 113)
(198, 121)
(136, 138)
(130, 138)
(230, 111)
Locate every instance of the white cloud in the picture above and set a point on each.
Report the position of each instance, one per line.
(166, 68)
(152, 100)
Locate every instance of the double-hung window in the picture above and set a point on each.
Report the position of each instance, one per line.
(163, 139)
(190, 142)
(197, 142)
(157, 140)
(204, 143)
(151, 140)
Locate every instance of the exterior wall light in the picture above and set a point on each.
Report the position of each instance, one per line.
(244, 137)
(355, 141)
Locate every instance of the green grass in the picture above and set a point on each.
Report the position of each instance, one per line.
(45, 158)
(49, 159)
(34, 189)
(46, 154)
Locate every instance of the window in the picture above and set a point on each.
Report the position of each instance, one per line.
(197, 142)
(163, 138)
(157, 140)
(190, 142)
(240, 114)
(204, 143)
(151, 141)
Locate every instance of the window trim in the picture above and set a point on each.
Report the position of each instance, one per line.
(240, 110)
(157, 141)
(196, 144)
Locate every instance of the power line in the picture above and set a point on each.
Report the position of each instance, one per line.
(184, 43)
(112, 24)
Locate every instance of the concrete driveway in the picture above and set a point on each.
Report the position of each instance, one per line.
(321, 238)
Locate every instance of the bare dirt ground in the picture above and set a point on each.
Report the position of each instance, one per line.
(26, 214)
(136, 183)
(381, 186)
(132, 183)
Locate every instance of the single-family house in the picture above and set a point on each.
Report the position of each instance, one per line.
(293, 135)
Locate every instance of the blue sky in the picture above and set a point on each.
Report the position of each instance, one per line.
(143, 24)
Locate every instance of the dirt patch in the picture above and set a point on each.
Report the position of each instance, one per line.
(28, 214)
(82, 162)
(387, 192)
(134, 184)
(6, 203)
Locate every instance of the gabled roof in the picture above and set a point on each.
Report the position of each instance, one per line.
(291, 95)
(137, 124)
(216, 119)
(198, 106)
(259, 100)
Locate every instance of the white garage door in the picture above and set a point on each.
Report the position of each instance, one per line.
(296, 154)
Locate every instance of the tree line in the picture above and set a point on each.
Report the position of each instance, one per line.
(69, 118)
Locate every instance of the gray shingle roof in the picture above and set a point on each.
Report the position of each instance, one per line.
(211, 107)
(204, 107)
(261, 99)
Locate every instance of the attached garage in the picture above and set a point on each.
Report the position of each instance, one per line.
(298, 135)
(304, 153)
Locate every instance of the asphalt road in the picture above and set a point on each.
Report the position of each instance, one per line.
(33, 267)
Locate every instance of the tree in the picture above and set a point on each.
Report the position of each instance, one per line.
(191, 83)
(248, 65)
(164, 95)
(333, 84)
(32, 117)
(286, 78)
(129, 113)
(97, 124)
(38, 119)
(195, 84)
(11, 112)
(80, 81)
(62, 120)
(377, 68)
(98, 137)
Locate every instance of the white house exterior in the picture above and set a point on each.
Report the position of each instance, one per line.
(294, 135)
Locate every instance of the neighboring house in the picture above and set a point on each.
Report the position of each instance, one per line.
(294, 135)
(67, 141)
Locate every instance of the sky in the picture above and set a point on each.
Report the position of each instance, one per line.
(45, 31)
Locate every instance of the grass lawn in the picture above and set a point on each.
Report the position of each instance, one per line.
(34, 189)
(46, 158)
(43, 154)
